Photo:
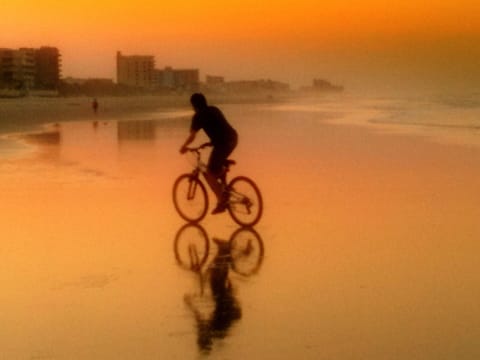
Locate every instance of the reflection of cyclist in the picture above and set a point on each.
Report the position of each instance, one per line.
(226, 307)
(223, 138)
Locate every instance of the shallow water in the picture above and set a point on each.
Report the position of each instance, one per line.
(370, 244)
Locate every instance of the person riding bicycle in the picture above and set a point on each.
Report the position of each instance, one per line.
(223, 137)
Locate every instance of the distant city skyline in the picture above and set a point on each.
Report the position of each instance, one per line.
(370, 43)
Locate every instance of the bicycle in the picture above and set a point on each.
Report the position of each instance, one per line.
(245, 249)
(244, 200)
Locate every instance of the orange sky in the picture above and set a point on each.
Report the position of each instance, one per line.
(347, 41)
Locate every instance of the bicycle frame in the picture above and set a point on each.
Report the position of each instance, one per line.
(201, 167)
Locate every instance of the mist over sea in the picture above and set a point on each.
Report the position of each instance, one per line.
(452, 118)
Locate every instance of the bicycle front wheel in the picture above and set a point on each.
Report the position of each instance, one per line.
(190, 198)
(245, 203)
(191, 246)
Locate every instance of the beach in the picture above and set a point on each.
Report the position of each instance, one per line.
(370, 233)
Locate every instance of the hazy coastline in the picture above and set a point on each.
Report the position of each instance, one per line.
(29, 113)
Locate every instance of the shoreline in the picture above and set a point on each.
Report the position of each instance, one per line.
(30, 113)
(27, 114)
(21, 116)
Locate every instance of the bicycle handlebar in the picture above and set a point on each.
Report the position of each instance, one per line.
(198, 148)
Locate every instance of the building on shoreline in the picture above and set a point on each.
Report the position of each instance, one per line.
(138, 71)
(47, 65)
(135, 70)
(217, 84)
(88, 86)
(28, 69)
(177, 79)
(17, 68)
(321, 85)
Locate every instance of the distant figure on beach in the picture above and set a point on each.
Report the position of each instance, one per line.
(95, 105)
(223, 138)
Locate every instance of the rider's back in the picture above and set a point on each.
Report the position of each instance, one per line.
(215, 125)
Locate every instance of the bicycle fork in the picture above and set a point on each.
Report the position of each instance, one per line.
(192, 187)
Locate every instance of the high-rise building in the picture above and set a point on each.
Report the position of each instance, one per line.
(47, 66)
(6, 67)
(17, 68)
(135, 70)
(27, 68)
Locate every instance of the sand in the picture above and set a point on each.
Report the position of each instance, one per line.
(370, 238)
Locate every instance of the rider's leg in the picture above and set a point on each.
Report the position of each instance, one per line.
(214, 171)
(218, 189)
(215, 185)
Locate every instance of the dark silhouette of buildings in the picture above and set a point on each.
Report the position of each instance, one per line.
(28, 68)
(138, 71)
(321, 85)
(47, 68)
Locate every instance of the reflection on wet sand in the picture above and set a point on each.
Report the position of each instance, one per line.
(48, 142)
(216, 308)
(136, 130)
(44, 138)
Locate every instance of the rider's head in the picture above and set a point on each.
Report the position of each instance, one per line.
(198, 101)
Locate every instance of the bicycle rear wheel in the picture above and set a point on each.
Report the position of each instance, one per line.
(190, 198)
(245, 203)
(246, 249)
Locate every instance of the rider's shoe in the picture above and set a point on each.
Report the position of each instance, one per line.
(221, 207)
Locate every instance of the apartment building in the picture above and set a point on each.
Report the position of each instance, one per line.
(17, 68)
(28, 68)
(139, 71)
(135, 70)
(187, 79)
(47, 64)
(177, 79)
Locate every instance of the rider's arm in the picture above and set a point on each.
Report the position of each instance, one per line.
(189, 140)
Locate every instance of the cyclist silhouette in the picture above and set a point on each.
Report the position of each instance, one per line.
(223, 137)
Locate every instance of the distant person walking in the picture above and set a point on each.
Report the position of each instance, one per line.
(223, 138)
(95, 105)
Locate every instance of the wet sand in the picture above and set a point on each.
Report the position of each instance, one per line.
(370, 245)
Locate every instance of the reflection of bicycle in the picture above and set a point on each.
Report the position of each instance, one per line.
(190, 198)
(192, 247)
(215, 306)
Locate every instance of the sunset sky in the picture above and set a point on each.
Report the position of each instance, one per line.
(352, 42)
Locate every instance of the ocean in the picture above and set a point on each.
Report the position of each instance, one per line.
(447, 118)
